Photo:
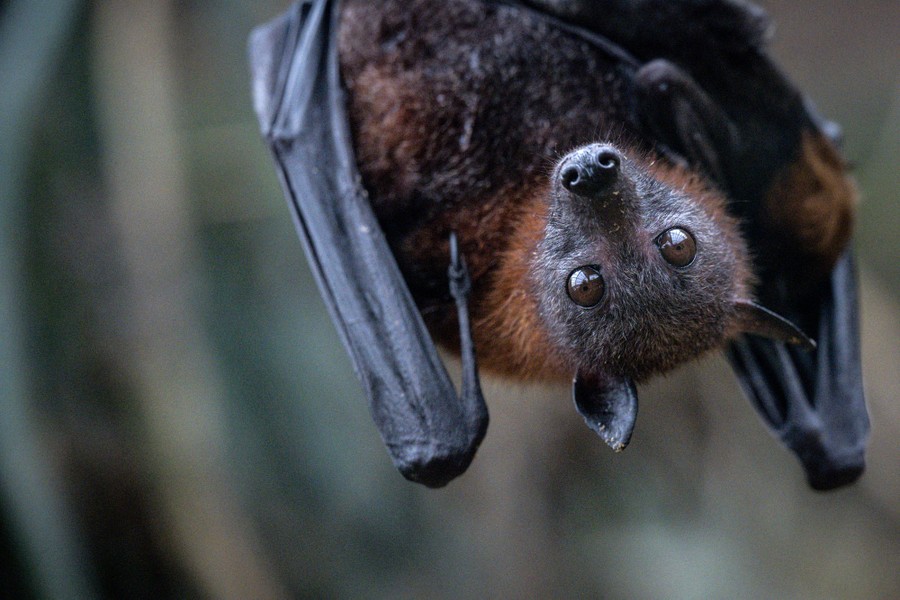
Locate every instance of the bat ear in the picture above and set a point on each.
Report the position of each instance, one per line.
(758, 320)
(608, 404)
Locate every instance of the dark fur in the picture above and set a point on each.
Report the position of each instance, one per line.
(695, 27)
(460, 114)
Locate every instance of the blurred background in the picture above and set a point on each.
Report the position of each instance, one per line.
(179, 420)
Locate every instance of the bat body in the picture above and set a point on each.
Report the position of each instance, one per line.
(464, 123)
(601, 210)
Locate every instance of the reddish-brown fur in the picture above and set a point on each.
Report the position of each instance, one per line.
(811, 205)
(508, 326)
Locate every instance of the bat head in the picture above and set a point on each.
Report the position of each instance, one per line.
(640, 269)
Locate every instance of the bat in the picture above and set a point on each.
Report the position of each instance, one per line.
(586, 191)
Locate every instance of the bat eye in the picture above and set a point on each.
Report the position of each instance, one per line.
(586, 286)
(677, 246)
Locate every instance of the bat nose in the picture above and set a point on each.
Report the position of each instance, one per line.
(591, 170)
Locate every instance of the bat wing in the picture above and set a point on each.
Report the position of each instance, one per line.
(430, 434)
(814, 402)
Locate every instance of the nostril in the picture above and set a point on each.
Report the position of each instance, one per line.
(591, 171)
(571, 177)
(608, 160)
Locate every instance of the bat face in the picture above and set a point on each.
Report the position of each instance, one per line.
(639, 266)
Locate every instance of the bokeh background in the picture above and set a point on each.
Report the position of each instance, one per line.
(178, 419)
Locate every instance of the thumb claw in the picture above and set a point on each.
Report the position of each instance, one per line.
(460, 284)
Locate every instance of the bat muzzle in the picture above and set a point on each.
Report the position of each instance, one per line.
(591, 171)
